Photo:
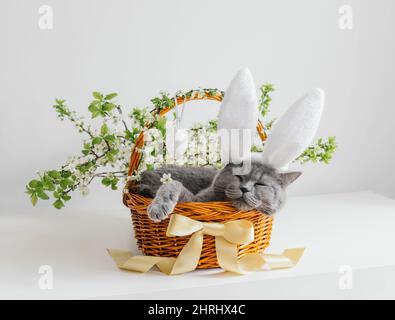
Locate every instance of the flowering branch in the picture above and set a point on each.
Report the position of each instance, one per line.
(107, 147)
(106, 150)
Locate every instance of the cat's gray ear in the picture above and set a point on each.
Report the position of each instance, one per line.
(288, 177)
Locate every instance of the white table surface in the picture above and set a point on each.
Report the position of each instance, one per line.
(349, 229)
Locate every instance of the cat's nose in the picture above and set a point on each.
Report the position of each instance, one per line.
(244, 190)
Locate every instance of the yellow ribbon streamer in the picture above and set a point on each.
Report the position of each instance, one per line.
(227, 236)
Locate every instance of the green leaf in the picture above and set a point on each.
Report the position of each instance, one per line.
(108, 107)
(96, 114)
(33, 199)
(29, 190)
(110, 138)
(42, 195)
(34, 184)
(97, 140)
(58, 204)
(110, 96)
(66, 174)
(64, 183)
(97, 95)
(106, 181)
(104, 129)
(161, 126)
(54, 174)
(110, 156)
(49, 185)
(93, 107)
(87, 146)
(60, 101)
(66, 197)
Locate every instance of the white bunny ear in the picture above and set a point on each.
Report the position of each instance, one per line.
(238, 117)
(295, 130)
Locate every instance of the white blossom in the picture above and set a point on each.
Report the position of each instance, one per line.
(166, 178)
(83, 190)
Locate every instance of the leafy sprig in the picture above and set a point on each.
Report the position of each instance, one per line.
(102, 105)
(102, 148)
(265, 99)
(321, 151)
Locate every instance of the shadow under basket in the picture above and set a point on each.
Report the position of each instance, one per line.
(152, 240)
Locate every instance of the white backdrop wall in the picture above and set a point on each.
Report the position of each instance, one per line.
(137, 48)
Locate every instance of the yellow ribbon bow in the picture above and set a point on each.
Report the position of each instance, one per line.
(227, 236)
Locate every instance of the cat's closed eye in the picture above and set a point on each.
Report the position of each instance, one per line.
(238, 177)
(261, 184)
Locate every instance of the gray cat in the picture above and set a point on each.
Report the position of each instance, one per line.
(262, 188)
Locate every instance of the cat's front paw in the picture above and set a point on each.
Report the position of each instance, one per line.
(233, 192)
(158, 211)
(267, 209)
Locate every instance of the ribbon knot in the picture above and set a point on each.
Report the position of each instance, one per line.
(236, 231)
(227, 237)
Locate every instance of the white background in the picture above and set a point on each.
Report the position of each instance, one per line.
(137, 48)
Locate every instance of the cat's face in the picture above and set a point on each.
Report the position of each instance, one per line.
(260, 187)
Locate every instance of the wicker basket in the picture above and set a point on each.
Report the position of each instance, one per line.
(151, 236)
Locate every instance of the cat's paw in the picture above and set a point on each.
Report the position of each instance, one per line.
(267, 208)
(251, 200)
(159, 210)
(241, 205)
(233, 192)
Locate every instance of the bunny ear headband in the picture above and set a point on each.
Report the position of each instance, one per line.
(291, 135)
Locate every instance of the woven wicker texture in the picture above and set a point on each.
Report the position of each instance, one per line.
(151, 236)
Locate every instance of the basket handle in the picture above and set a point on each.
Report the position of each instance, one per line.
(135, 156)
